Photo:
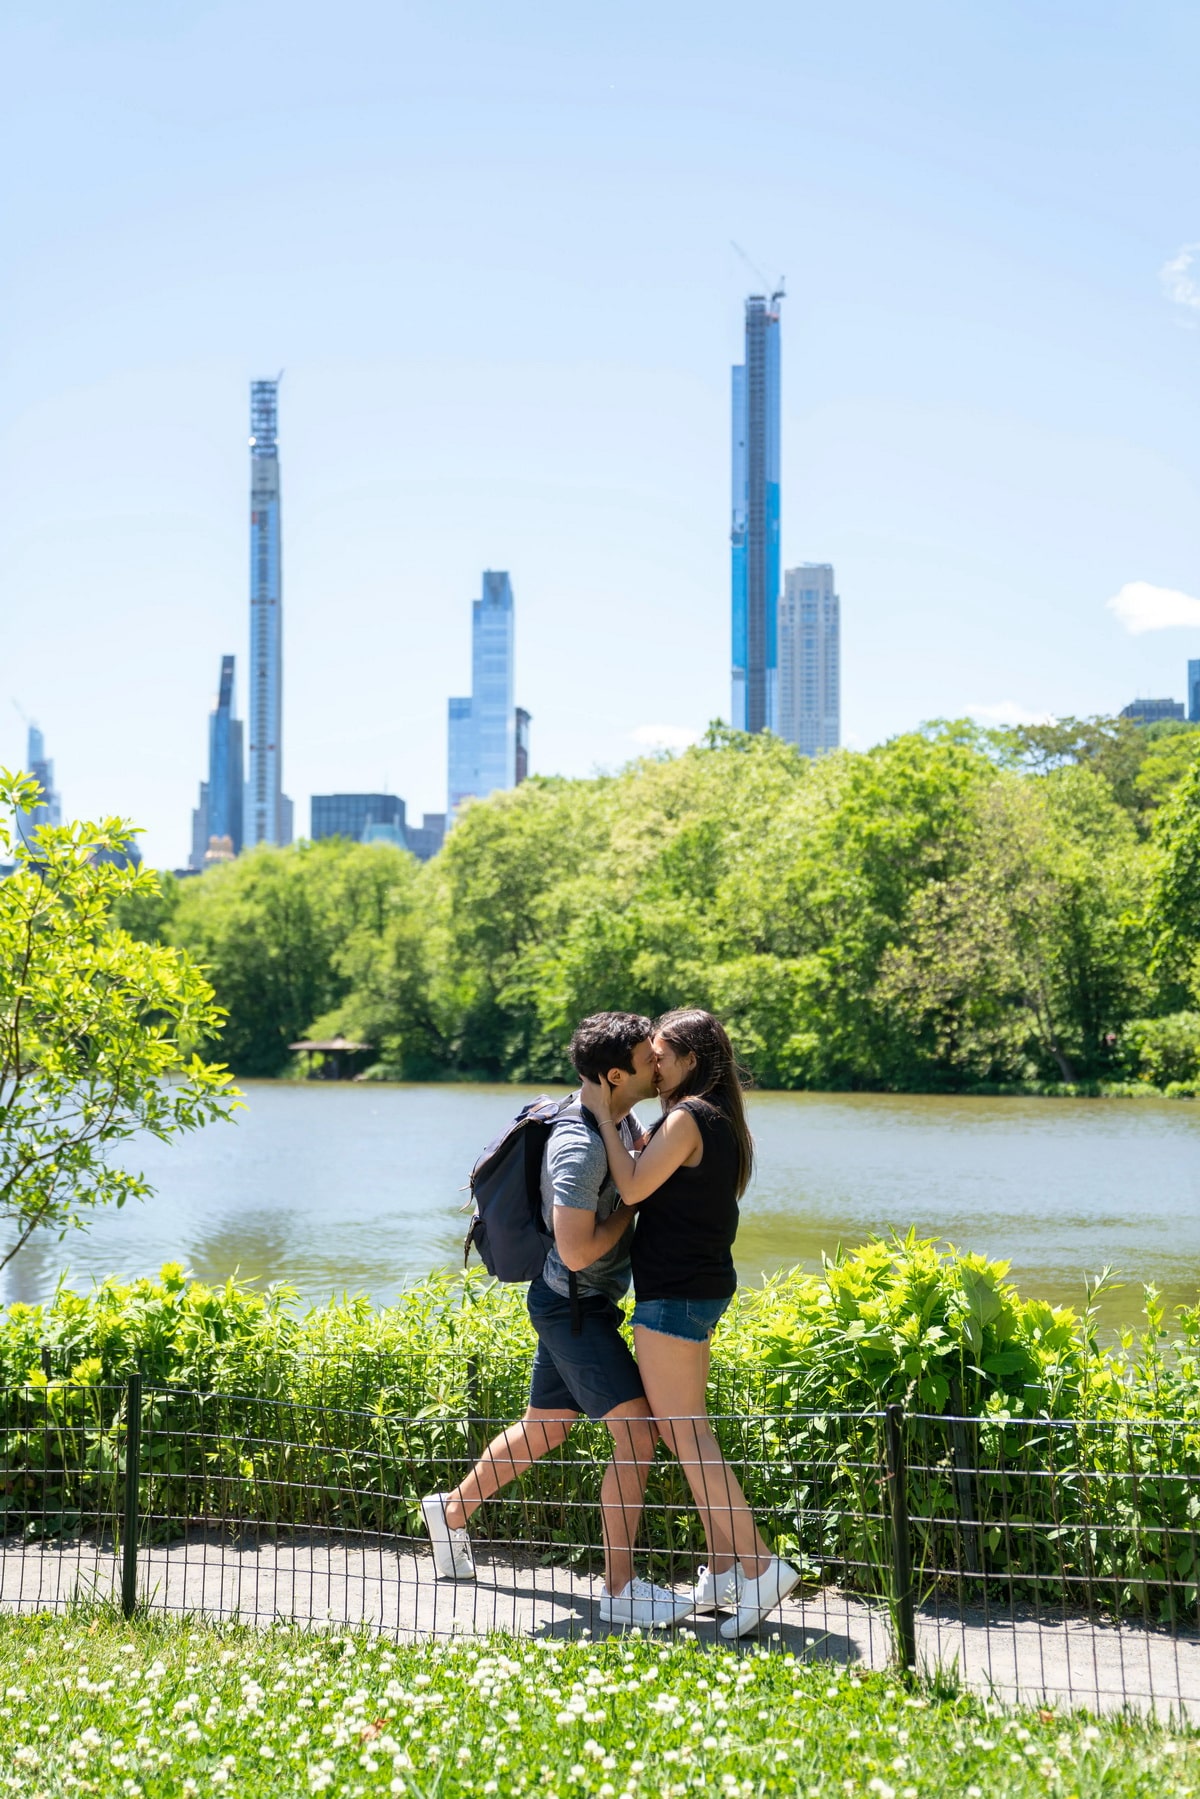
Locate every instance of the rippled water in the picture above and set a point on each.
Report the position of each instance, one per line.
(357, 1188)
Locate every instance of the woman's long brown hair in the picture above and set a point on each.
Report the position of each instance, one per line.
(716, 1078)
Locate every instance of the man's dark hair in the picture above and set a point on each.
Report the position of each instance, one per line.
(607, 1040)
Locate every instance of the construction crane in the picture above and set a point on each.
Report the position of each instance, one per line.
(780, 292)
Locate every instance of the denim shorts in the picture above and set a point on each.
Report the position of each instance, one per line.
(593, 1372)
(692, 1319)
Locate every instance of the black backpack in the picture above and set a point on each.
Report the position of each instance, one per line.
(507, 1228)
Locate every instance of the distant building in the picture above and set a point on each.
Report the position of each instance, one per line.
(1152, 712)
(129, 856)
(1193, 688)
(199, 832)
(482, 729)
(426, 839)
(522, 734)
(754, 533)
(48, 810)
(217, 819)
(351, 815)
(268, 811)
(810, 659)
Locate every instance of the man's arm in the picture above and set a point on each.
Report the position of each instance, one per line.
(581, 1238)
(577, 1167)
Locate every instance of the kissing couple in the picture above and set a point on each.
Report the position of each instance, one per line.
(658, 1208)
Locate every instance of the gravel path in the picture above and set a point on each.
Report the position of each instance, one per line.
(390, 1586)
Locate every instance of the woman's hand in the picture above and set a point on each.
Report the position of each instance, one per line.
(597, 1097)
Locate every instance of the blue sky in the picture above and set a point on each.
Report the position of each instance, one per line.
(490, 247)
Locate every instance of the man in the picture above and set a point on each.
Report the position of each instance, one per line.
(588, 1369)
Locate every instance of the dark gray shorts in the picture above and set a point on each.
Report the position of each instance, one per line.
(592, 1373)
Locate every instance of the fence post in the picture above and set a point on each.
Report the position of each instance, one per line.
(129, 1513)
(474, 1434)
(47, 1364)
(902, 1582)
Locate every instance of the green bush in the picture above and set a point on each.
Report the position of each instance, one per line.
(342, 1418)
(1164, 1051)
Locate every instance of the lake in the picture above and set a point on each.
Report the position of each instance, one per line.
(358, 1188)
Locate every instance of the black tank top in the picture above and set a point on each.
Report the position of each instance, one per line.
(685, 1229)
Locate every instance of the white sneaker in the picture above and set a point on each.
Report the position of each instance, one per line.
(716, 1592)
(758, 1596)
(640, 1602)
(452, 1555)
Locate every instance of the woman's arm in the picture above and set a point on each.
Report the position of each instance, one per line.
(677, 1138)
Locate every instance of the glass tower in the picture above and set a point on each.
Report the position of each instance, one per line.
(482, 735)
(1193, 689)
(755, 524)
(226, 777)
(268, 810)
(810, 659)
(48, 810)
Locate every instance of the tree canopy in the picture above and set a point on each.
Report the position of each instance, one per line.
(952, 908)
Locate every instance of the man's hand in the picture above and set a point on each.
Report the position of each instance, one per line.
(597, 1097)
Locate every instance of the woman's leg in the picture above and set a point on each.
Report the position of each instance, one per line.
(675, 1376)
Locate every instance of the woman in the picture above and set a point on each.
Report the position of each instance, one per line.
(687, 1181)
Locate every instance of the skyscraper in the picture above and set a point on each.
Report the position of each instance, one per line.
(1193, 688)
(755, 526)
(521, 767)
(217, 832)
(269, 811)
(482, 729)
(226, 772)
(48, 810)
(809, 659)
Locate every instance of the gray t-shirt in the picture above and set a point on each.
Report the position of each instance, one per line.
(575, 1173)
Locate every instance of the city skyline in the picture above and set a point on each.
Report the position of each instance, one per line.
(988, 400)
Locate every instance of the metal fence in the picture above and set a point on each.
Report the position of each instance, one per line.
(1032, 1556)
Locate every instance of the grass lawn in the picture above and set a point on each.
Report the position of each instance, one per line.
(93, 1705)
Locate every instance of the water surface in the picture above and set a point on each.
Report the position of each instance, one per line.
(342, 1188)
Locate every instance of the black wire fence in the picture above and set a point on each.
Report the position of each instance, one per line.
(1036, 1556)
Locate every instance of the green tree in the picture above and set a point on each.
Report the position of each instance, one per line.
(272, 931)
(98, 1031)
(1027, 952)
(1173, 915)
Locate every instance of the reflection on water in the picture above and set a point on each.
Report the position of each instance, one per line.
(336, 1189)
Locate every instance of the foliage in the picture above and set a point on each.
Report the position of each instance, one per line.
(1141, 764)
(281, 934)
(168, 1707)
(98, 1031)
(1029, 945)
(953, 908)
(1164, 1051)
(1174, 909)
(343, 1418)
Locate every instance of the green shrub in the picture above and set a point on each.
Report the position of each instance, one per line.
(1164, 1051)
(343, 1418)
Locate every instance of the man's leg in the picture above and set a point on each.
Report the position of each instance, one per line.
(507, 1457)
(623, 1489)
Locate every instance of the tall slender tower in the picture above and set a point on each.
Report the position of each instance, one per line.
(755, 527)
(268, 812)
(483, 728)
